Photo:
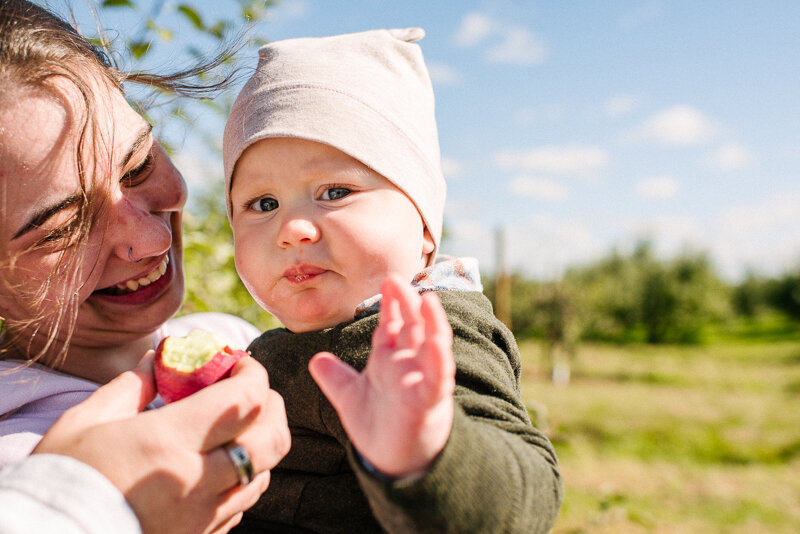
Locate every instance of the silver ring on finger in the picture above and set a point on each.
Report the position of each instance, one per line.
(241, 461)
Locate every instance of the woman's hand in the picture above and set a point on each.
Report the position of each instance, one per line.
(170, 463)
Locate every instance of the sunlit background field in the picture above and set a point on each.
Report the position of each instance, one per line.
(675, 439)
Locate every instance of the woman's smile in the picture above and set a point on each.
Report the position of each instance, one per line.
(141, 290)
(135, 283)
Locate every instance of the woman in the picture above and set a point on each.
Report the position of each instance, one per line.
(90, 261)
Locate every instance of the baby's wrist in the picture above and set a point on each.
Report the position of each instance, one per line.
(385, 477)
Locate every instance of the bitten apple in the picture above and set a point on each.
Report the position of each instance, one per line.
(187, 364)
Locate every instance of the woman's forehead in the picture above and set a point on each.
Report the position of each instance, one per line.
(34, 138)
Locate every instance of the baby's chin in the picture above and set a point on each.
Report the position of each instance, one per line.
(314, 322)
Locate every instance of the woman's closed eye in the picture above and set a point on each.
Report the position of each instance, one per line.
(335, 193)
(140, 173)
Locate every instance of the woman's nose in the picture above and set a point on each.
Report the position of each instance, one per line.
(137, 232)
(297, 231)
(142, 216)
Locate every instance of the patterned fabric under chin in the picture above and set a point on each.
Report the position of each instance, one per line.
(447, 274)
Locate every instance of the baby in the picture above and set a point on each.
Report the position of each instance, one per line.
(336, 197)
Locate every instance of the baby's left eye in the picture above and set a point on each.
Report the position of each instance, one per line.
(335, 193)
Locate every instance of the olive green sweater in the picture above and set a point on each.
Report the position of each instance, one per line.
(497, 473)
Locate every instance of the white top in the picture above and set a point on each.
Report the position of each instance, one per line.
(49, 494)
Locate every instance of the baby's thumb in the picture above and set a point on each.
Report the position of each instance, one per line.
(333, 376)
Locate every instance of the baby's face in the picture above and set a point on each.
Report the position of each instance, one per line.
(316, 232)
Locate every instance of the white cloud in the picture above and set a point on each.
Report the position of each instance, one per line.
(452, 169)
(657, 187)
(541, 245)
(519, 46)
(468, 237)
(474, 28)
(292, 10)
(584, 161)
(620, 105)
(442, 74)
(529, 115)
(766, 214)
(731, 157)
(761, 235)
(669, 233)
(539, 188)
(197, 168)
(678, 125)
(641, 14)
(545, 245)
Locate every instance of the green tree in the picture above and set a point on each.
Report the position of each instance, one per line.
(749, 297)
(640, 298)
(783, 293)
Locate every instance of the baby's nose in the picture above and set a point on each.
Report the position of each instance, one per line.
(297, 231)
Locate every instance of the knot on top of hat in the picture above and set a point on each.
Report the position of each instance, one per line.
(409, 35)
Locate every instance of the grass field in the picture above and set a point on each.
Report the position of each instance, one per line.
(674, 439)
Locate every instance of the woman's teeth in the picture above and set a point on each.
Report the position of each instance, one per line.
(152, 276)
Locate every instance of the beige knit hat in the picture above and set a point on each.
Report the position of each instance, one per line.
(367, 94)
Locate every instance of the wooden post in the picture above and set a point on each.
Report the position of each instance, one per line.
(502, 305)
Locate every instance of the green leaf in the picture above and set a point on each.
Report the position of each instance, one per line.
(218, 29)
(193, 16)
(139, 48)
(117, 3)
(164, 33)
(98, 41)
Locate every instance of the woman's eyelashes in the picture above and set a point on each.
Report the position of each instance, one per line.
(140, 173)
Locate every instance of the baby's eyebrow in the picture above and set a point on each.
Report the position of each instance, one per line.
(40, 217)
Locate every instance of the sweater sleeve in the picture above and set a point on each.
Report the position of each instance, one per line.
(48, 493)
(497, 472)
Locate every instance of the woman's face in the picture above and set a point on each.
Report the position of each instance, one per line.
(128, 275)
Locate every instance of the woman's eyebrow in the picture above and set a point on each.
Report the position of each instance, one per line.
(42, 215)
(137, 144)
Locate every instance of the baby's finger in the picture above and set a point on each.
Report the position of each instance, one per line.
(436, 354)
(437, 325)
(413, 331)
(389, 321)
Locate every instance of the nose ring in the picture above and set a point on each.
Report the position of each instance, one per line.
(130, 258)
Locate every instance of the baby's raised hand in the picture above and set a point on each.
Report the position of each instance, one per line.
(398, 412)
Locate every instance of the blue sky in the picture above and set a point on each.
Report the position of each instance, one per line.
(578, 127)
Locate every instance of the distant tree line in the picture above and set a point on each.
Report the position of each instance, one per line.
(638, 298)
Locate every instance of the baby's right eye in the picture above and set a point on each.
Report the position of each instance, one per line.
(264, 204)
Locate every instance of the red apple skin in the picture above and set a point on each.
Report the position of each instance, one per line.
(174, 385)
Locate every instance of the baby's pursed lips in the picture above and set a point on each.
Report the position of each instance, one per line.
(298, 273)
